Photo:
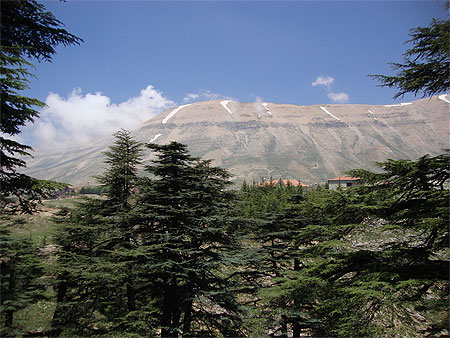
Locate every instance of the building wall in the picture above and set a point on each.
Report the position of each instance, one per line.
(333, 185)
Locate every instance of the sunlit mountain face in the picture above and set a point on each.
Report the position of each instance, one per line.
(259, 140)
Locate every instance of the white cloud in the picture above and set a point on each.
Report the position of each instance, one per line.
(338, 97)
(328, 81)
(323, 81)
(190, 97)
(81, 119)
(205, 95)
(213, 96)
(258, 106)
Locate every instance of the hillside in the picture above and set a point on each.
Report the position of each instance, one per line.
(259, 140)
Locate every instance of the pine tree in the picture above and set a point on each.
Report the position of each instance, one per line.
(180, 215)
(289, 296)
(123, 159)
(372, 259)
(426, 66)
(27, 31)
(83, 280)
(95, 282)
(20, 283)
(268, 210)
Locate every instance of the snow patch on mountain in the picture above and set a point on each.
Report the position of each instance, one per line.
(326, 111)
(224, 104)
(398, 104)
(373, 115)
(173, 112)
(265, 105)
(155, 138)
(442, 97)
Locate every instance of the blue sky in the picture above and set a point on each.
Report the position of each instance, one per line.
(244, 50)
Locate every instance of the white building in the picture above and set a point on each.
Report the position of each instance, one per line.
(343, 182)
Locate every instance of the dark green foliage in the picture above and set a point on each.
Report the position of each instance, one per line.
(426, 66)
(181, 218)
(91, 294)
(367, 261)
(263, 205)
(96, 266)
(92, 190)
(310, 225)
(20, 283)
(258, 200)
(27, 30)
(371, 259)
(16, 110)
(120, 179)
(27, 24)
(165, 261)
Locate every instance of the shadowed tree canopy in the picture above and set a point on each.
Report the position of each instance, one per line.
(36, 31)
(372, 258)
(182, 217)
(426, 66)
(28, 32)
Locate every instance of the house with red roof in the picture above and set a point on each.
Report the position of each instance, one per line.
(285, 183)
(343, 182)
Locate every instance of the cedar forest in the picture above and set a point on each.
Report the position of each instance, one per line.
(176, 250)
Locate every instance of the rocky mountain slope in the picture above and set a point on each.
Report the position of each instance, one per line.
(259, 140)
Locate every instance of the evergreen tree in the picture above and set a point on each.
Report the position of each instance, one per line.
(372, 259)
(305, 218)
(426, 66)
(183, 229)
(263, 207)
(95, 290)
(119, 180)
(83, 280)
(20, 283)
(27, 31)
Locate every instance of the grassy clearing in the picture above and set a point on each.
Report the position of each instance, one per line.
(39, 227)
(37, 317)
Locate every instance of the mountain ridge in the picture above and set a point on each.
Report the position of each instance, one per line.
(256, 140)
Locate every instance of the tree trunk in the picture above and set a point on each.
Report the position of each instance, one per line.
(295, 324)
(296, 329)
(56, 325)
(166, 318)
(169, 316)
(284, 331)
(9, 314)
(131, 297)
(187, 319)
(272, 259)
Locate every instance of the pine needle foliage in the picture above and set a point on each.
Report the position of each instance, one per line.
(156, 254)
(28, 32)
(372, 260)
(95, 290)
(181, 220)
(123, 159)
(20, 279)
(426, 66)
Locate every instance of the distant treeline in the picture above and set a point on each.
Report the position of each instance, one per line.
(92, 190)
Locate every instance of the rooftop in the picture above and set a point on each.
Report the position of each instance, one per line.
(344, 178)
